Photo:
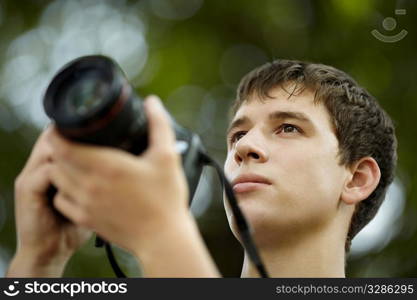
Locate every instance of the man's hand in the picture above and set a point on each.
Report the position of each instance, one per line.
(137, 202)
(45, 241)
(121, 196)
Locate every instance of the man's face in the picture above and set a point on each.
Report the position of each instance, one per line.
(284, 155)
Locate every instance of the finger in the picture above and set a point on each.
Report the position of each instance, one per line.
(65, 178)
(36, 182)
(161, 133)
(84, 157)
(41, 151)
(69, 208)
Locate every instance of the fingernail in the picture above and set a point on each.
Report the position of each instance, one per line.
(156, 101)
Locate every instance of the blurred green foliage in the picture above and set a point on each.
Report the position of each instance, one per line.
(196, 53)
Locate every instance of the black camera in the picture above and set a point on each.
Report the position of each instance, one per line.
(91, 101)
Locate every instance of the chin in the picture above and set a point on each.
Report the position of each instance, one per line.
(258, 220)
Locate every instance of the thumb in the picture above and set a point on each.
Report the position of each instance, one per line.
(161, 133)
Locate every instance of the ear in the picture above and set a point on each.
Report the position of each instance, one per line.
(363, 179)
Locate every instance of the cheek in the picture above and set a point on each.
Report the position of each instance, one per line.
(311, 174)
(328, 172)
(325, 181)
(229, 165)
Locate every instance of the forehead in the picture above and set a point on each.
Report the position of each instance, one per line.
(256, 109)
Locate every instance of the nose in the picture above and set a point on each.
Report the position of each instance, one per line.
(250, 148)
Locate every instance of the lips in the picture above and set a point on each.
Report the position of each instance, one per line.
(249, 182)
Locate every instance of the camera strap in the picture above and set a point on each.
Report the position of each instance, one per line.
(110, 255)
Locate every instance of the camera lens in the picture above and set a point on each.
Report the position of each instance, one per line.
(86, 93)
(91, 101)
(87, 96)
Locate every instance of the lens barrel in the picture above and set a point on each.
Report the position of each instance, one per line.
(90, 100)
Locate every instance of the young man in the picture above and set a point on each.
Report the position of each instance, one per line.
(310, 157)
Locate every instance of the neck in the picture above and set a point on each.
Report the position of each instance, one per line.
(320, 254)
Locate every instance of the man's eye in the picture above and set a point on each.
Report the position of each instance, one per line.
(288, 128)
(237, 136)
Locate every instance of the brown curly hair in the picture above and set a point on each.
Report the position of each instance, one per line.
(361, 126)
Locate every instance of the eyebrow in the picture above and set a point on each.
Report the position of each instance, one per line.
(276, 115)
